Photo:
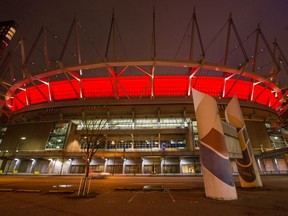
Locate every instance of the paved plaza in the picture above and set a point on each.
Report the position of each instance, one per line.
(140, 195)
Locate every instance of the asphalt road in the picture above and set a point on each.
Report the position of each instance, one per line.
(140, 195)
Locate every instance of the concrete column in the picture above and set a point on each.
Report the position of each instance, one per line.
(124, 163)
(190, 138)
(247, 167)
(275, 164)
(17, 164)
(162, 165)
(3, 164)
(142, 166)
(218, 179)
(105, 165)
(180, 166)
(259, 165)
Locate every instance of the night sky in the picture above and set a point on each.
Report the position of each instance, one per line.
(134, 19)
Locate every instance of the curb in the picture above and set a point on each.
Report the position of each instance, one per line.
(28, 191)
(61, 191)
(6, 190)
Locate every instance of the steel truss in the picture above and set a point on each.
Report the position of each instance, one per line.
(42, 86)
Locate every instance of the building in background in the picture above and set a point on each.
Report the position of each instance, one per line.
(7, 31)
(151, 124)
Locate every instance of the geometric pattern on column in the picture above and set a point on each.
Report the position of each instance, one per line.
(247, 167)
(217, 174)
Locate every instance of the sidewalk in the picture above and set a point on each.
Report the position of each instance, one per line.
(166, 196)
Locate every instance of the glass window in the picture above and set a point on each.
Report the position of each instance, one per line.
(129, 123)
(2, 133)
(57, 136)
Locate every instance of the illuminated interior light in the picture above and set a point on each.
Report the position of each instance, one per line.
(11, 33)
(12, 30)
(8, 36)
(23, 138)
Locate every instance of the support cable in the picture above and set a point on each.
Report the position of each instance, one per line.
(109, 36)
(282, 56)
(120, 37)
(67, 40)
(90, 41)
(240, 43)
(182, 40)
(199, 37)
(54, 36)
(215, 37)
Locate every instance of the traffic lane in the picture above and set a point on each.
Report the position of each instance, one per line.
(48, 182)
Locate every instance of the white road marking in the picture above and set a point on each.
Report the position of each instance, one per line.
(133, 197)
(171, 196)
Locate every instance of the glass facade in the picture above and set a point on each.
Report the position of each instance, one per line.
(152, 141)
(195, 134)
(139, 123)
(2, 133)
(276, 137)
(57, 136)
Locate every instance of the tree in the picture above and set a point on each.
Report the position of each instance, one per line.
(93, 134)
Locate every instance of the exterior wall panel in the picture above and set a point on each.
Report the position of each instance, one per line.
(36, 136)
(258, 134)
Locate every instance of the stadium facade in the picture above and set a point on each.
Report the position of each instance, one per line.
(148, 108)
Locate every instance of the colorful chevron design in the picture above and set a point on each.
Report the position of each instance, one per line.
(247, 168)
(218, 179)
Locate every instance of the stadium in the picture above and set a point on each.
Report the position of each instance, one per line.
(51, 111)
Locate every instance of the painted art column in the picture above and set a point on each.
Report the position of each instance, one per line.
(218, 179)
(247, 167)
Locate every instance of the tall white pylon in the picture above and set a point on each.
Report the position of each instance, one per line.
(247, 167)
(218, 179)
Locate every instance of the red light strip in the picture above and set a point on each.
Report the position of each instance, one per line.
(140, 86)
